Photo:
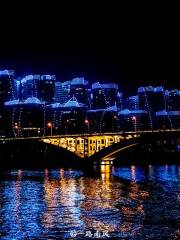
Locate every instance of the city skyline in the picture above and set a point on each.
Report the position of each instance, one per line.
(95, 66)
(125, 84)
(35, 102)
(19, 80)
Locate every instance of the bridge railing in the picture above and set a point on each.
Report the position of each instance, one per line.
(92, 134)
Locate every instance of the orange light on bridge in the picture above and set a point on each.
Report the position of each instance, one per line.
(135, 123)
(87, 122)
(50, 126)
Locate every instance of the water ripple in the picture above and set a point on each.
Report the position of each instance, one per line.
(125, 203)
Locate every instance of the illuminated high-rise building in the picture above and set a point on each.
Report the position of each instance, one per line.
(77, 87)
(7, 86)
(133, 102)
(28, 87)
(62, 92)
(173, 100)
(73, 117)
(26, 117)
(104, 95)
(8, 92)
(168, 119)
(119, 101)
(102, 120)
(133, 120)
(146, 98)
(159, 101)
(39, 86)
(46, 88)
(66, 118)
(152, 99)
(79, 90)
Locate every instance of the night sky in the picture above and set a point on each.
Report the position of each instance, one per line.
(143, 50)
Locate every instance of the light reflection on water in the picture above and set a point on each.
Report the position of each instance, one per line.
(128, 202)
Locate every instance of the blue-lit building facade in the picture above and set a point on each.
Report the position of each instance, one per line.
(161, 105)
(8, 91)
(26, 118)
(102, 120)
(29, 105)
(104, 95)
(39, 86)
(67, 118)
(133, 120)
(133, 102)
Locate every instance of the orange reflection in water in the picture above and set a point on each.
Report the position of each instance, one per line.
(67, 194)
(61, 194)
(99, 198)
(134, 206)
(92, 203)
(133, 175)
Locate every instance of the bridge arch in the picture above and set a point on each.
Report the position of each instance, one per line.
(148, 138)
(44, 147)
(110, 153)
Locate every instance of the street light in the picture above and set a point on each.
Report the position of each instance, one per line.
(134, 119)
(66, 123)
(87, 122)
(50, 126)
(39, 131)
(17, 127)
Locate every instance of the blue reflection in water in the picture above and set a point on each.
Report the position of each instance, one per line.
(130, 173)
(50, 204)
(139, 174)
(22, 204)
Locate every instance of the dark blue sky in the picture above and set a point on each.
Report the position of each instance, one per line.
(141, 51)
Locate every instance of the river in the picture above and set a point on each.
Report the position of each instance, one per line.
(110, 203)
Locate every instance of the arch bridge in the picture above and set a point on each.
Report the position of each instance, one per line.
(100, 147)
(93, 145)
(105, 146)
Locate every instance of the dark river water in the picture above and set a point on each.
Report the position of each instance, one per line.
(117, 203)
